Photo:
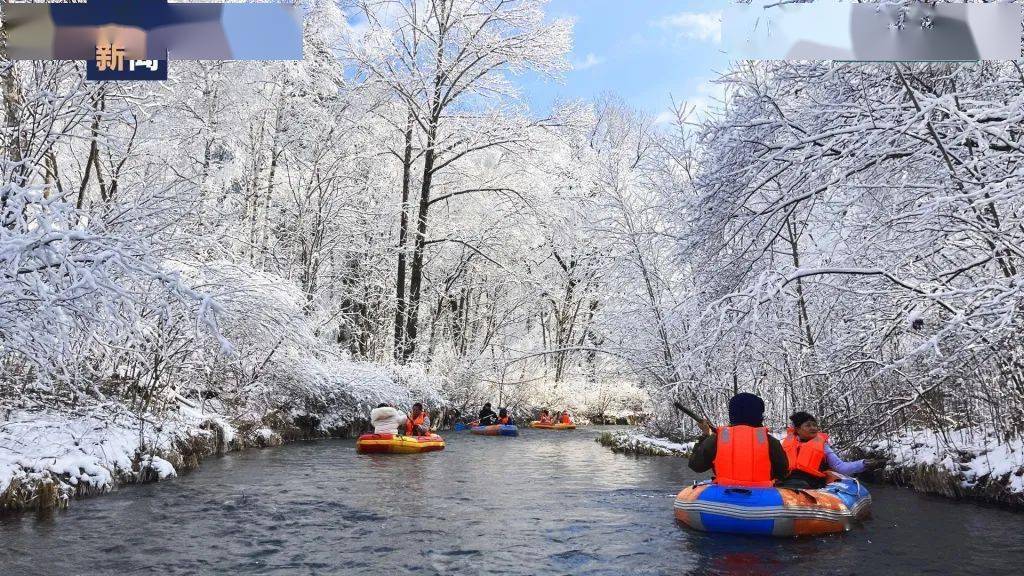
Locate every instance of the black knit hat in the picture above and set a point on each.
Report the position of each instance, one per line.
(799, 418)
(746, 409)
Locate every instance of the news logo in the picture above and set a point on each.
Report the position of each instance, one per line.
(136, 39)
(110, 65)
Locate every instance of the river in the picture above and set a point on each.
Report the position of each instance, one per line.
(544, 503)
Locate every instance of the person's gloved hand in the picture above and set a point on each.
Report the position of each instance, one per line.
(875, 463)
(705, 427)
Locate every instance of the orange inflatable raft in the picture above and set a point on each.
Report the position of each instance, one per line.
(537, 424)
(391, 444)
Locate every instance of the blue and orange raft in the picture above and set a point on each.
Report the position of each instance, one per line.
(774, 511)
(495, 430)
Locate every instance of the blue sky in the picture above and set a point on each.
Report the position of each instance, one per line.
(642, 50)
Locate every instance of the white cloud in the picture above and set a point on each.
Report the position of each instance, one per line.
(706, 87)
(589, 61)
(703, 26)
(665, 117)
(709, 97)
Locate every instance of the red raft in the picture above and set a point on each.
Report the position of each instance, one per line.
(391, 444)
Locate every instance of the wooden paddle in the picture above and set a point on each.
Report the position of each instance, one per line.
(704, 423)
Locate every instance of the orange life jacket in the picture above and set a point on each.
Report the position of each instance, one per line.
(566, 419)
(807, 456)
(503, 421)
(412, 423)
(741, 457)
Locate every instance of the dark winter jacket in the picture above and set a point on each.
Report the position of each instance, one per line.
(488, 417)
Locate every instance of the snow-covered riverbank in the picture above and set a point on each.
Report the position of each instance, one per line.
(49, 458)
(969, 464)
(633, 442)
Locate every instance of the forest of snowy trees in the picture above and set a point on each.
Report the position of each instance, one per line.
(385, 220)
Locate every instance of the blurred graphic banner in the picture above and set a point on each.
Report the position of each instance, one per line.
(888, 32)
(122, 39)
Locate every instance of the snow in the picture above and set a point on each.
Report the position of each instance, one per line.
(229, 430)
(92, 451)
(665, 444)
(162, 467)
(636, 442)
(973, 455)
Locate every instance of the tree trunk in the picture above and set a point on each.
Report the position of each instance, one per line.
(401, 305)
(416, 271)
(275, 153)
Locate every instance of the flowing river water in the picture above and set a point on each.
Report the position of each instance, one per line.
(544, 503)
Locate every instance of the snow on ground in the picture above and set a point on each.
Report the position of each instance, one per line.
(636, 443)
(161, 467)
(972, 455)
(91, 451)
(686, 447)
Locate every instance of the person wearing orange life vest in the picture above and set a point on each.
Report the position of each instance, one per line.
(811, 456)
(545, 417)
(565, 419)
(418, 422)
(503, 418)
(742, 453)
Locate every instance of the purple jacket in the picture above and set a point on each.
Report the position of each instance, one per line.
(836, 464)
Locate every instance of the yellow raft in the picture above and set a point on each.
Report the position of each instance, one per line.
(538, 425)
(388, 444)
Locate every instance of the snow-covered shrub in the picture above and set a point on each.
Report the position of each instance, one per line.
(79, 300)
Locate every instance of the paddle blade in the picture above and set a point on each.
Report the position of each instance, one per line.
(459, 427)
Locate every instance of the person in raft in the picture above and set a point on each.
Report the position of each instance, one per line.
(487, 416)
(545, 417)
(504, 419)
(386, 419)
(811, 457)
(565, 419)
(742, 453)
(418, 422)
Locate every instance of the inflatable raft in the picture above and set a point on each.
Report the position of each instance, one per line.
(495, 430)
(538, 425)
(773, 511)
(390, 444)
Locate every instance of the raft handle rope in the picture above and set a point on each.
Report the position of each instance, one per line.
(836, 487)
(859, 488)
